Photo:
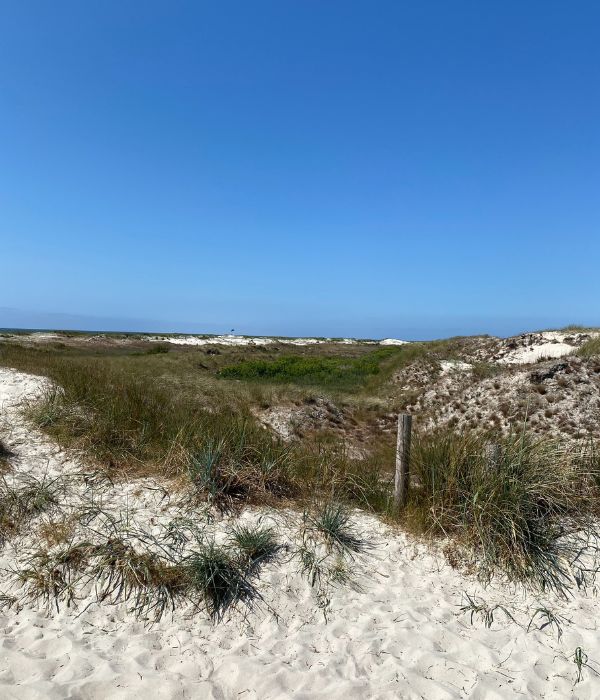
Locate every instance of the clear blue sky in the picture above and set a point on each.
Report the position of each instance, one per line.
(408, 169)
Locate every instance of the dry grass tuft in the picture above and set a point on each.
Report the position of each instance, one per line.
(25, 499)
(56, 532)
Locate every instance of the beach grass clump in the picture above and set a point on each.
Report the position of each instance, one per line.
(142, 578)
(23, 500)
(327, 550)
(257, 544)
(35, 496)
(333, 522)
(478, 608)
(591, 348)
(53, 576)
(119, 572)
(239, 466)
(365, 483)
(44, 579)
(205, 469)
(220, 579)
(527, 513)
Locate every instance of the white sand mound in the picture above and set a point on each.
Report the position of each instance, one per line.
(535, 353)
(403, 636)
(532, 347)
(212, 340)
(392, 341)
(240, 340)
(236, 340)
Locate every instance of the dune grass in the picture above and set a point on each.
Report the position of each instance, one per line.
(119, 562)
(119, 571)
(133, 424)
(528, 513)
(256, 544)
(24, 499)
(334, 524)
(220, 578)
(590, 348)
(527, 516)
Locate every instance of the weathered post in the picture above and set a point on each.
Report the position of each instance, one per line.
(493, 454)
(402, 480)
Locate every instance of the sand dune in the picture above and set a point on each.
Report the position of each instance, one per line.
(241, 340)
(403, 635)
(533, 347)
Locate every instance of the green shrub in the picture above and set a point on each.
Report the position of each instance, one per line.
(309, 370)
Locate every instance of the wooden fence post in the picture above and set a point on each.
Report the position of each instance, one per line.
(402, 480)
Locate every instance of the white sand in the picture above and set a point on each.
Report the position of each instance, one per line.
(229, 339)
(242, 340)
(257, 340)
(450, 366)
(542, 351)
(533, 347)
(403, 636)
(392, 341)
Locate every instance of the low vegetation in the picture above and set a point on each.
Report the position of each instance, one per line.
(220, 579)
(333, 522)
(257, 545)
(590, 348)
(132, 424)
(116, 560)
(323, 371)
(528, 514)
(23, 500)
(527, 511)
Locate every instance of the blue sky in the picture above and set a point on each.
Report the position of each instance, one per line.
(408, 169)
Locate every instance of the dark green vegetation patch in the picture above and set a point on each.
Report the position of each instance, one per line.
(309, 370)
